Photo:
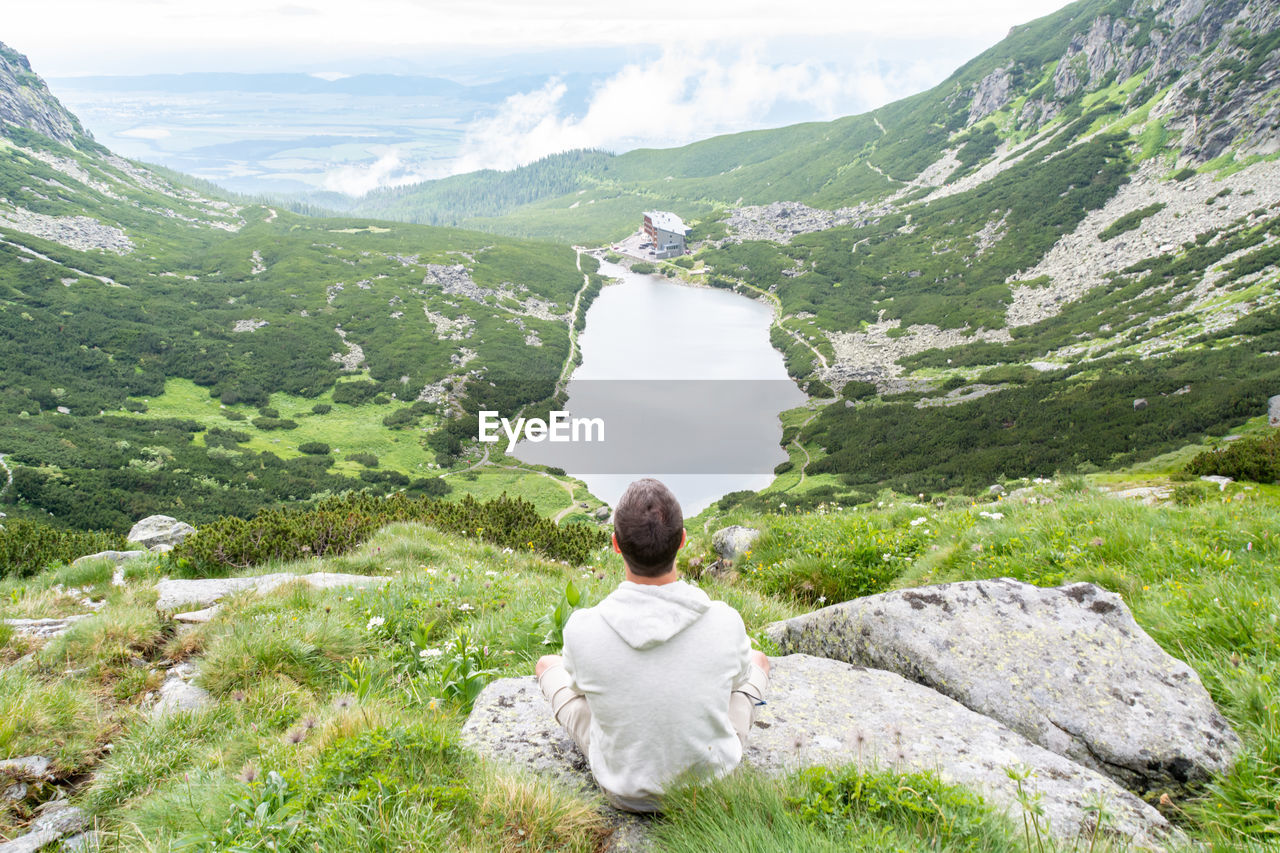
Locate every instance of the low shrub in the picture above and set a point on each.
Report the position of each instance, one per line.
(400, 418)
(1253, 458)
(354, 393)
(313, 448)
(337, 524)
(266, 424)
(368, 460)
(26, 547)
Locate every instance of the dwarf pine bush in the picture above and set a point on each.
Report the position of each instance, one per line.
(335, 525)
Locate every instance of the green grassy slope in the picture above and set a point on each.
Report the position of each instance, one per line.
(326, 709)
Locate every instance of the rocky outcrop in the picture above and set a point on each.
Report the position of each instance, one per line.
(58, 819)
(157, 530)
(1273, 411)
(455, 280)
(991, 94)
(204, 592)
(82, 233)
(731, 543)
(831, 713)
(43, 629)
(1081, 260)
(783, 220)
(25, 101)
(873, 354)
(1066, 667)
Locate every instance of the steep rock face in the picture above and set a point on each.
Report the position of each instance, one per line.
(25, 101)
(1216, 59)
(991, 94)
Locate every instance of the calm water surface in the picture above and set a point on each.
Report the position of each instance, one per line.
(687, 385)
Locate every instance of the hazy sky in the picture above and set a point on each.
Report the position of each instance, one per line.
(65, 37)
(709, 67)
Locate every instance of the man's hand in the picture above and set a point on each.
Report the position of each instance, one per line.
(757, 657)
(547, 661)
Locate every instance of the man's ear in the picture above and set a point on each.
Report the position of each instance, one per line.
(616, 549)
(684, 538)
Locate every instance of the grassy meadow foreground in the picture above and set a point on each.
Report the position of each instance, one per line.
(337, 713)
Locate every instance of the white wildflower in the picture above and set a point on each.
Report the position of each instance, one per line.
(374, 622)
(916, 522)
(465, 606)
(427, 654)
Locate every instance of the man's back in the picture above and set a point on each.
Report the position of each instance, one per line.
(657, 665)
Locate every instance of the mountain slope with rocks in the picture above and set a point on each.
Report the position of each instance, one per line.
(289, 355)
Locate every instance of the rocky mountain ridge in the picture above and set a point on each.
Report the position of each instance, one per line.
(26, 102)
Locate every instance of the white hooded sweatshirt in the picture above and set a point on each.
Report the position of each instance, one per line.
(657, 665)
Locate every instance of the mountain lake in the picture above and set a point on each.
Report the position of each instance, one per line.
(688, 389)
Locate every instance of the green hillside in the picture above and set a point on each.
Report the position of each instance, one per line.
(1062, 257)
(166, 347)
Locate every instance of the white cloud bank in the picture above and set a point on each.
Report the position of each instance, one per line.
(389, 170)
(676, 99)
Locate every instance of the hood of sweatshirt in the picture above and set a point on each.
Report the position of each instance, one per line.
(645, 616)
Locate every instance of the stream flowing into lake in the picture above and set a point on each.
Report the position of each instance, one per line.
(687, 387)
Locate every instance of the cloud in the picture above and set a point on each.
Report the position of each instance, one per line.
(356, 180)
(146, 133)
(678, 98)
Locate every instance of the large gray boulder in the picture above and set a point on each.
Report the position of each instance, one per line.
(732, 542)
(824, 712)
(1066, 667)
(1273, 411)
(159, 530)
(205, 591)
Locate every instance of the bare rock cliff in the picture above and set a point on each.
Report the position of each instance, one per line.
(25, 101)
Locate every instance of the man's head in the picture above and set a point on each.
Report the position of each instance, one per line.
(648, 528)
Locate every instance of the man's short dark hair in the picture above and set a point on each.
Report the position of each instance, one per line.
(649, 526)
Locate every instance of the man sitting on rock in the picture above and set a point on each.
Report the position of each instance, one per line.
(658, 683)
